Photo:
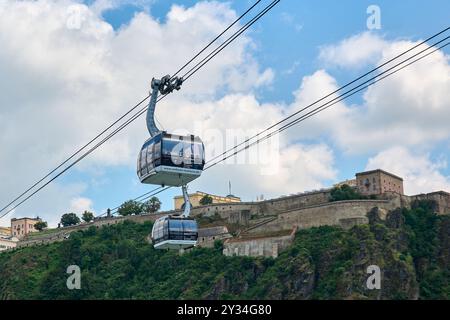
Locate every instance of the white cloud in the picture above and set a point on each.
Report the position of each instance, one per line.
(80, 204)
(409, 108)
(272, 167)
(354, 51)
(313, 88)
(299, 168)
(420, 173)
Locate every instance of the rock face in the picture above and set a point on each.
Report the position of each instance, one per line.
(330, 263)
(333, 264)
(297, 284)
(444, 240)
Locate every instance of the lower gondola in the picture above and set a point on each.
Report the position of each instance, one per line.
(174, 232)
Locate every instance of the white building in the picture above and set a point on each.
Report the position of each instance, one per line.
(7, 243)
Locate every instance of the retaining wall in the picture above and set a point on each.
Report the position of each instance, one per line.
(267, 247)
(341, 213)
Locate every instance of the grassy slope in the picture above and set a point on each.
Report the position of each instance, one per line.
(411, 247)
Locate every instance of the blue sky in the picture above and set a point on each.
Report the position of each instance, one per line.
(288, 41)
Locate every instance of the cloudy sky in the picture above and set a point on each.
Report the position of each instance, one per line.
(69, 68)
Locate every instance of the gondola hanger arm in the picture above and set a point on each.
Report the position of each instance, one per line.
(165, 85)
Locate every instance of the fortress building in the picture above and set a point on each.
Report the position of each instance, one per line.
(377, 182)
(23, 226)
(195, 198)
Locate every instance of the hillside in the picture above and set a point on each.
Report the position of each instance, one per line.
(412, 247)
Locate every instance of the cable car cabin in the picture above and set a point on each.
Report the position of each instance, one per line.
(174, 232)
(171, 160)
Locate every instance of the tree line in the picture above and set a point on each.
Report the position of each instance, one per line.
(128, 208)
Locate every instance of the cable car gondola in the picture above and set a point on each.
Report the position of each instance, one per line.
(174, 232)
(170, 160)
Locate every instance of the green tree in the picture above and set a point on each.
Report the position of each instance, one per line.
(345, 192)
(207, 199)
(130, 207)
(87, 216)
(153, 205)
(69, 219)
(41, 225)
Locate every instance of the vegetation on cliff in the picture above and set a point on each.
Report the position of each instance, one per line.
(411, 247)
(345, 192)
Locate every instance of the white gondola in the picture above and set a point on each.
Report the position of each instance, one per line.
(174, 233)
(170, 160)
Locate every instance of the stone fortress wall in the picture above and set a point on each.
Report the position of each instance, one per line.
(240, 213)
(303, 210)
